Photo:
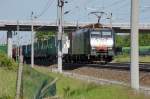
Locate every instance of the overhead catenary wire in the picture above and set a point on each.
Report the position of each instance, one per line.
(115, 3)
(86, 2)
(77, 8)
(113, 6)
(46, 7)
(116, 7)
(144, 9)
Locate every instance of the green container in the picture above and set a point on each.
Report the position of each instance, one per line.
(28, 51)
(46, 47)
(143, 50)
(51, 48)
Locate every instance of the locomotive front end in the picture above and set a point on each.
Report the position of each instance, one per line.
(102, 44)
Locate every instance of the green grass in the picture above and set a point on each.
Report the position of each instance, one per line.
(8, 73)
(7, 83)
(145, 59)
(68, 88)
(33, 82)
(126, 58)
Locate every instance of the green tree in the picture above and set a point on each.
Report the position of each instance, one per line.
(144, 39)
(43, 35)
(124, 40)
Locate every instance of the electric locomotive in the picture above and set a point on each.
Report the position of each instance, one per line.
(91, 43)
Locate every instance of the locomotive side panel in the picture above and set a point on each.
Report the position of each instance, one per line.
(80, 42)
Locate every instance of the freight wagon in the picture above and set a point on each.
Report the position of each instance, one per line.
(45, 52)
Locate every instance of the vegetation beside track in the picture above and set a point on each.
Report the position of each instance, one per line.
(126, 58)
(32, 83)
(69, 88)
(7, 83)
(124, 40)
(8, 73)
(7, 63)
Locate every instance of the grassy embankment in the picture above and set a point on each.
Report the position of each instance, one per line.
(7, 84)
(8, 74)
(33, 81)
(69, 88)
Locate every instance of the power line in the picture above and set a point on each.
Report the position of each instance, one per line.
(115, 3)
(146, 17)
(144, 10)
(76, 9)
(122, 4)
(46, 7)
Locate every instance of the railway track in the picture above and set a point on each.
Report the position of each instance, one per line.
(123, 66)
(112, 73)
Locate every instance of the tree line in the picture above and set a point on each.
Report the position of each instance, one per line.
(124, 40)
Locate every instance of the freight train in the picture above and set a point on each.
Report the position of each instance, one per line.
(87, 44)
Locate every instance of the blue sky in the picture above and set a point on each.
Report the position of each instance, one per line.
(79, 10)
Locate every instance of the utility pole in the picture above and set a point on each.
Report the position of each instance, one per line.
(20, 68)
(134, 44)
(32, 42)
(60, 33)
(18, 28)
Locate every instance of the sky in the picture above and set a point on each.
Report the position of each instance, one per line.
(46, 10)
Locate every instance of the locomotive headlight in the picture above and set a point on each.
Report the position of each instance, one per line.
(93, 48)
(109, 48)
(110, 43)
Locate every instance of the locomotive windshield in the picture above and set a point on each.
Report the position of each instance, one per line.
(102, 33)
(95, 34)
(107, 33)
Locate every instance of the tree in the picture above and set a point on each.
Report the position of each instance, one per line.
(43, 35)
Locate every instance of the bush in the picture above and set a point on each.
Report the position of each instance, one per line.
(5, 97)
(7, 63)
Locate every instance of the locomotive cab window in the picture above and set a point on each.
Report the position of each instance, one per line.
(95, 34)
(106, 33)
